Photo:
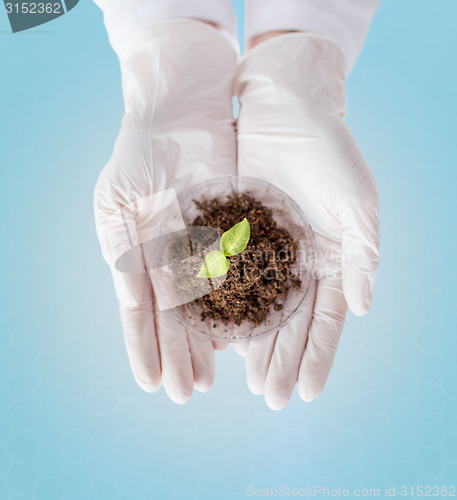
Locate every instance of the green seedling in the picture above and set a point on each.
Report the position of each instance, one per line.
(233, 242)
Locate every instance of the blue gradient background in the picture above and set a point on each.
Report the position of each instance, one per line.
(74, 425)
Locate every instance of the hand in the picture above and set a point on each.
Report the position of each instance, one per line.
(177, 130)
(291, 90)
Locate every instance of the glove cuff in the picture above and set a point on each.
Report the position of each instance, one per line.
(346, 22)
(125, 20)
(294, 69)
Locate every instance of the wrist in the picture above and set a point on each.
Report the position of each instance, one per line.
(179, 71)
(266, 36)
(302, 69)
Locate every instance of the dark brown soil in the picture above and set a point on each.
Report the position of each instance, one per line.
(260, 277)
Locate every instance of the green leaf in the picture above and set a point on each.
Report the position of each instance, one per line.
(215, 265)
(235, 240)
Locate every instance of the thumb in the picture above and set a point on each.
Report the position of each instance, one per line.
(358, 288)
(360, 258)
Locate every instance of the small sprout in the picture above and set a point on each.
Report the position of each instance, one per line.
(236, 239)
(216, 264)
(233, 242)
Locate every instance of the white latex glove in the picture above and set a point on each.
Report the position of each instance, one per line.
(291, 90)
(178, 130)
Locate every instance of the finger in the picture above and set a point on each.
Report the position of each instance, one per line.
(134, 293)
(220, 345)
(360, 221)
(209, 328)
(288, 352)
(241, 348)
(203, 362)
(177, 371)
(324, 334)
(257, 360)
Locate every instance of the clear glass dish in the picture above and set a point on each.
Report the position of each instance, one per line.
(288, 215)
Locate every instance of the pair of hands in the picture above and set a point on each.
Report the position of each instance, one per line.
(178, 80)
